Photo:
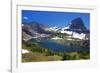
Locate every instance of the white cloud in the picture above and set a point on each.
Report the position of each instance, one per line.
(25, 17)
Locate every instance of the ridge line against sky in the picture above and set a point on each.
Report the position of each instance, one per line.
(59, 19)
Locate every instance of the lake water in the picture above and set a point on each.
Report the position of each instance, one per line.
(54, 46)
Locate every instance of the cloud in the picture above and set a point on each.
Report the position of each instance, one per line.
(25, 17)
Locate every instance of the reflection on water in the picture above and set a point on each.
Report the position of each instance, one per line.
(56, 47)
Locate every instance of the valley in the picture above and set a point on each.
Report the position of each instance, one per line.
(46, 43)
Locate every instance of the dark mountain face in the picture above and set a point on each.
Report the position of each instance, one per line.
(77, 25)
(34, 28)
(27, 29)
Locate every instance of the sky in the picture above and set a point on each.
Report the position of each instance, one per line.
(59, 19)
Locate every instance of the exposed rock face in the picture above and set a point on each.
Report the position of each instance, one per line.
(76, 29)
(34, 30)
(77, 24)
(34, 27)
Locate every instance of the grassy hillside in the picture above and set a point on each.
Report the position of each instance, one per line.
(38, 53)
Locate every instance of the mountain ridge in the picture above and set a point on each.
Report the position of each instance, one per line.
(37, 30)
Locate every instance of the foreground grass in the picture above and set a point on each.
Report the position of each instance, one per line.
(38, 54)
(37, 57)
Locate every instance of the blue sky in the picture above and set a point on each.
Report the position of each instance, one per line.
(59, 19)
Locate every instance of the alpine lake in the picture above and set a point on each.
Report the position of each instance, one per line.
(55, 50)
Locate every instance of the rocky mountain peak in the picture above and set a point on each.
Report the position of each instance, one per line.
(77, 24)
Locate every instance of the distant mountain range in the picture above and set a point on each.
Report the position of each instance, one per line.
(37, 30)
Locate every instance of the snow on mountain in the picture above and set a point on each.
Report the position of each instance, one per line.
(76, 29)
(54, 29)
(80, 36)
(34, 30)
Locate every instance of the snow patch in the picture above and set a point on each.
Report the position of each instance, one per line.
(56, 38)
(24, 51)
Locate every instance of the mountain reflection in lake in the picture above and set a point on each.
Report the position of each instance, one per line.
(56, 47)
